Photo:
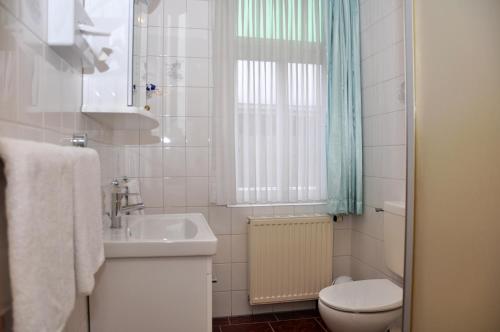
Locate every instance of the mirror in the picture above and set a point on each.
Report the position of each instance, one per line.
(142, 85)
(139, 58)
(385, 100)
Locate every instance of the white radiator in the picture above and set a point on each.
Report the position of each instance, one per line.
(290, 258)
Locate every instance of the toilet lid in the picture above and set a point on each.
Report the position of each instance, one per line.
(363, 296)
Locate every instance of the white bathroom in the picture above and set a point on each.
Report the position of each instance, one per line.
(239, 165)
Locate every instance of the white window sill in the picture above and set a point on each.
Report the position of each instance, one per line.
(277, 204)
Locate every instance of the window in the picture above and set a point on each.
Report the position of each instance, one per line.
(279, 103)
(294, 20)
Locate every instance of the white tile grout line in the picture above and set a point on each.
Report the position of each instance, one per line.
(391, 45)
(362, 29)
(384, 113)
(366, 87)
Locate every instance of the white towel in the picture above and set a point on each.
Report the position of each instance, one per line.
(39, 205)
(133, 188)
(89, 248)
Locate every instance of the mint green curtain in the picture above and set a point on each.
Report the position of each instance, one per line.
(344, 132)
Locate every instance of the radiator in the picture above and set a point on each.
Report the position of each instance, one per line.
(290, 258)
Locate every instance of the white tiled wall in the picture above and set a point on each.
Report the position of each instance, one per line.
(174, 173)
(230, 295)
(384, 147)
(40, 96)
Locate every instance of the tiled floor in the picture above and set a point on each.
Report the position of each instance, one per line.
(295, 321)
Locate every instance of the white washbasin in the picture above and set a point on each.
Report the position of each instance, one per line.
(161, 235)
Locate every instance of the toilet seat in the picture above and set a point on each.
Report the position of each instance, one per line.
(367, 296)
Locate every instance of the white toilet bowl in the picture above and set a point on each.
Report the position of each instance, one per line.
(369, 305)
(361, 306)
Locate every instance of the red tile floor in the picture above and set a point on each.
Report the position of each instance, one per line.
(294, 321)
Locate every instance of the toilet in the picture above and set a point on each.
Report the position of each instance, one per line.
(369, 305)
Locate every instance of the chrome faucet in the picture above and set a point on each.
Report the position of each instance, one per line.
(119, 193)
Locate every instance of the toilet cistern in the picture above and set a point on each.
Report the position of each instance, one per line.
(118, 193)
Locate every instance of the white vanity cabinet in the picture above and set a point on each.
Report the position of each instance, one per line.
(171, 294)
(157, 276)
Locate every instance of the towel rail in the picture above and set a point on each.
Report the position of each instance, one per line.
(78, 140)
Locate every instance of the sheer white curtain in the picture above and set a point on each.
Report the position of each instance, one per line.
(270, 94)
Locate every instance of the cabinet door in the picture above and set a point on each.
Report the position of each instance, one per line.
(152, 294)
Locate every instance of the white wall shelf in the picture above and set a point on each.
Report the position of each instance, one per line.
(129, 118)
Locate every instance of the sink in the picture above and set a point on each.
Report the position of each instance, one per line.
(162, 235)
(156, 228)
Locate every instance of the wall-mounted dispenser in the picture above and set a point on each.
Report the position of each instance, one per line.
(68, 28)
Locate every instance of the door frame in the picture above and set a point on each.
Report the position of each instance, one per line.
(410, 162)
